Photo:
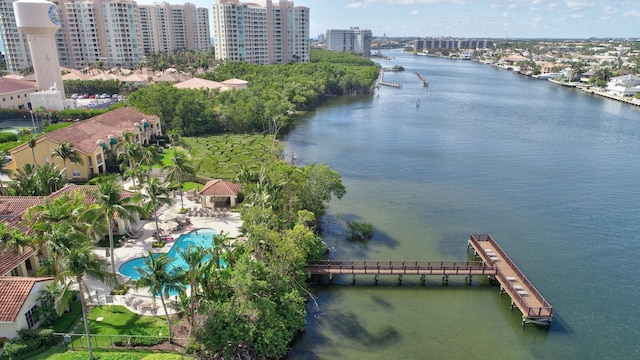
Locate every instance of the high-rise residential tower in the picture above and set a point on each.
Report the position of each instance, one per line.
(263, 32)
(355, 39)
(167, 27)
(111, 32)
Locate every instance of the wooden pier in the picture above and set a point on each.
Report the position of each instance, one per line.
(493, 262)
(534, 308)
(398, 268)
(384, 83)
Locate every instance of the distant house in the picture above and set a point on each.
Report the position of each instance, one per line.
(19, 303)
(585, 77)
(626, 85)
(197, 83)
(15, 93)
(92, 139)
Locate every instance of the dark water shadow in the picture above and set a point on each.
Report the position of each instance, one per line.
(335, 231)
(451, 244)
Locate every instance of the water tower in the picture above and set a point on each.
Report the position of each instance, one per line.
(39, 19)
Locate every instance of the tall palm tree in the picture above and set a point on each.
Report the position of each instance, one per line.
(4, 158)
(12, 238)
(64, 151)
(160, 279)
(79, 262)
(130, 153)
(192, 256)
(150, 157)
(177, 171)
(32, 144)
(156, 193)
(109, 202)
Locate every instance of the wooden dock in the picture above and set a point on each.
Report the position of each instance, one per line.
(535, 309)
(493, 262)
(385, 83)
(398, 268)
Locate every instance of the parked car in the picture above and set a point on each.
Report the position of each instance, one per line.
(105, 96)
(74, 96)
(92, 96)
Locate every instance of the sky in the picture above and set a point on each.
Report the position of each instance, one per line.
(472, 18)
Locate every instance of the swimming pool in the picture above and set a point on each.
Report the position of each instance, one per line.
(200, 237)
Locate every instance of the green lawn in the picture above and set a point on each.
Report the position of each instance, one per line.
(59, 353)
(117, 320)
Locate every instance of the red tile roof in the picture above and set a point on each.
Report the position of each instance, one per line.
(8, 85)
(85, 134)
(220, 187)
(15, 291)
(9, 259)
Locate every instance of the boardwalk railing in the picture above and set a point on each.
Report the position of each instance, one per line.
(546, 310)
(336, 267)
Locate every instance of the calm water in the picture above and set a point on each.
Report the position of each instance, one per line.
(552, 173)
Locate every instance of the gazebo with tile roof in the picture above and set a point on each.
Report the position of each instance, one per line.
(216, 191)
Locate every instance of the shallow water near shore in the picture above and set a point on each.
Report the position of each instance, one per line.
(551, 173)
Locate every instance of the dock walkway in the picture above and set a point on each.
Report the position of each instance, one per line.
(535, 309)
(493, 262)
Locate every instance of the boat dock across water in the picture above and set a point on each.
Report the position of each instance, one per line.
(492, 262)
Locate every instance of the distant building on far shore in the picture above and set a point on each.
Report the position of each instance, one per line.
(450, 43)
(354, 39)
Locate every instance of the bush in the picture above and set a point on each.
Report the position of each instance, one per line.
(126, 340)
(120, 289)
(54, 127)
(6, 136)
(29, 343)
(158, 244)
(359, 230)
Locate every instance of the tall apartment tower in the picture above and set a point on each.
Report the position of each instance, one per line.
(261, 32)
(115, 33)
(167, 27)
(354, 39)
(16, 46)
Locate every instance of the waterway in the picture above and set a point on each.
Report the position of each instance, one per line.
(551, 173)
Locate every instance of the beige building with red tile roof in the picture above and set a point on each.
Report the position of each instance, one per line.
(92, 139)
(19, 302)
(15, 93)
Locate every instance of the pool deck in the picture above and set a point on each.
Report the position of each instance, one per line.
(139, 301)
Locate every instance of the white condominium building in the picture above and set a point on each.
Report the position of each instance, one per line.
(111, 32)
(167, 27)
(262, 32)
(354, 39)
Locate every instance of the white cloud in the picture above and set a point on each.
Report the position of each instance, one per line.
(552, 6)
(495, 6)
(513, 6)
(632, 13)
(609, 10)
(506, 16)
(356, 5)
(578, 5)
(414, 12)
(576, 15)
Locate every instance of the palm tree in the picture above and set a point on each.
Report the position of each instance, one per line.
(160, 279)
(156, 193)
(12, 238)
(150, 157)
(32, 144)
(109, 202)
(193, 257)
(179, 168)
(130, 154)
(79, 262)
(4, 158)
(66, 151)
